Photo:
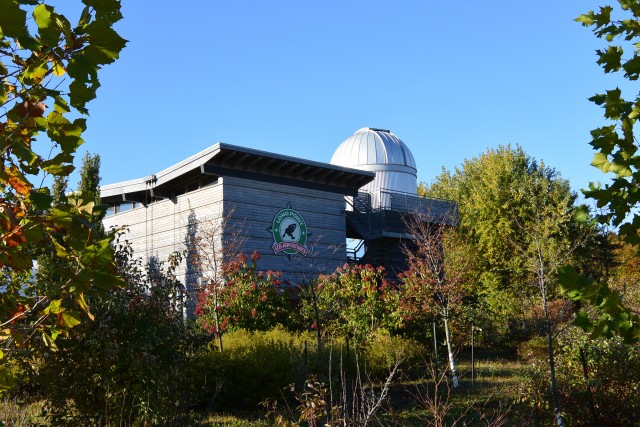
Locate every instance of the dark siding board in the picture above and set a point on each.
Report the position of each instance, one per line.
(314, 224)
(259, 204)
(257, 230)
(319, 242)
(261, 211)
(297, 202)
(269, 260)
(256, 203)
(298, 266)
(262, 233)
(238, 185)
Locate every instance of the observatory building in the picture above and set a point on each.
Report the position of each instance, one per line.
(303, 217)
(377, 217)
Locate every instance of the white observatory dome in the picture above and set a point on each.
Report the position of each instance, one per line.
(379, 151)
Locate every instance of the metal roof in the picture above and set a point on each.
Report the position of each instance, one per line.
(374, 147)
(379, 151)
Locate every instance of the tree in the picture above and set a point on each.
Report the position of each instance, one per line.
(547, 245)
(248, 299)
(616, 144)
(59, 190)
(616, 149)
(210, 244)
(127, 366)
(89, 185)
(352, 303)
(439, 270)
(625, 273)
(48, 62)
(49, 263)
(496, 193)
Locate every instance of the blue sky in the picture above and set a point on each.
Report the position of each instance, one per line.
(450, 79)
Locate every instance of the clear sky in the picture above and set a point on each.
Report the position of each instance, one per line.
(450, 79)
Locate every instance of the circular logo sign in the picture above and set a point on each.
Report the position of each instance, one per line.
(289, 233)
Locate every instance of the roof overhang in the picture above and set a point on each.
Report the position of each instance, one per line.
(229, 160)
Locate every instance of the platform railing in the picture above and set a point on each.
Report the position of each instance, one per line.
(442, 211)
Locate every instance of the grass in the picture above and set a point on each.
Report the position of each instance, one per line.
(490, 395)
(408, 404)
(14, 414)
(237, 419)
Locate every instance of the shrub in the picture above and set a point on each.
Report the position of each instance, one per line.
(614, 379)
(254, 366)
(381, 355)
(124, 367)
(534, 349)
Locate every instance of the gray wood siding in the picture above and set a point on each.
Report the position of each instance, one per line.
(166, 226)
(255, 204)
(161, 228)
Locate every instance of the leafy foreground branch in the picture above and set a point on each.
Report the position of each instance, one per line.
(616, 149)
(48, 72)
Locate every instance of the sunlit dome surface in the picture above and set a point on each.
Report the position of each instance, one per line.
(370, 146)
(379, 151)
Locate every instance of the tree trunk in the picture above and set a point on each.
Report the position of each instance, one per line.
(317, 321)
(218, 331)
(452, 362)
(552, 363)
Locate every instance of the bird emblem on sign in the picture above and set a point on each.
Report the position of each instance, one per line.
(289, 230)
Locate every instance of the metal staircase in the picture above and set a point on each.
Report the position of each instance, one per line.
(383, 229)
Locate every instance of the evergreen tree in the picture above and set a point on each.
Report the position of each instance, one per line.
(59, 190)
(89, 184)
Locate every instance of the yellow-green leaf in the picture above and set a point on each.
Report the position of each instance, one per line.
(601, 161)
(82, 302)
(54, 307)
(70, 319)
(58, 69)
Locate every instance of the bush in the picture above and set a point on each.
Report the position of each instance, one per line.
(614, 377)
(122, 368)
(384, 350)
(535, 349)
(254, 366)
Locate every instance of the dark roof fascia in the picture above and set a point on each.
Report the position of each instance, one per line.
(224, 172)
(231, 160)
(247, 163)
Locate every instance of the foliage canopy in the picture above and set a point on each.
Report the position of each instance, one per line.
(498, 195)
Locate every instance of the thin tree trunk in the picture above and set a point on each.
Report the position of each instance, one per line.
(452, 362)
(435, 350)
(592, 405)
(473, 360)
(552, 364)
(218, 331)
(318, 327)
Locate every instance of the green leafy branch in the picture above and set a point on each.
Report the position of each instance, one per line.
(45, 61)
(613, 317)
(616, 153)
